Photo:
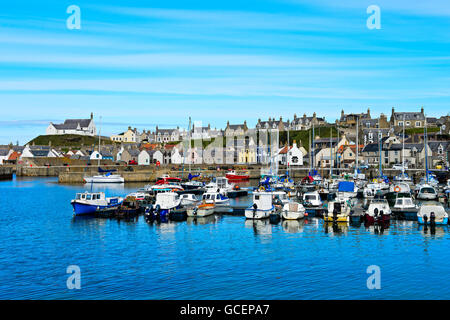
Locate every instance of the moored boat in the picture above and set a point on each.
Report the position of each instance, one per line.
(378, 211)
(293, 211)
(262, 206)
(202, 210)
(404, 208)
(432, 213)
(232, 175)
(338, 211)
(90, 202)
(426, 192)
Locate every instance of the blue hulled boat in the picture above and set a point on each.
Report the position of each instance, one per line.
(88, 203)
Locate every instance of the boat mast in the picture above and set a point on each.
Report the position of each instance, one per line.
(357, 145)
(331, 151)
(99, 131)
(189, 143)
(403, 148)
(287, 152)
(379, 148)
(425, 141)
(313, 156)
(310, 152)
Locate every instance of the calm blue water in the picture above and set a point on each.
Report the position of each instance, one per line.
(223, 257)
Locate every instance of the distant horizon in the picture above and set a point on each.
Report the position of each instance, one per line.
(140, 66)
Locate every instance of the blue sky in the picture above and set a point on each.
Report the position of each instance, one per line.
(143, 63)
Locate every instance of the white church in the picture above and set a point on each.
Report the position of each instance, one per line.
(84, 127)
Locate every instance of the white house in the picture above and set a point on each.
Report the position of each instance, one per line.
(5, 154)
(144, 158)
(85, 127)
(95, 156)
(158, 156)
(177, 156)
(292, 156)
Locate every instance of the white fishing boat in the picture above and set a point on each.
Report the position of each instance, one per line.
(92, 202)
(426, 192)
(201, 210)
(217, 198)
(293, 211)
(262, 206)
(432, 212)
(188, 199)
(400, 187)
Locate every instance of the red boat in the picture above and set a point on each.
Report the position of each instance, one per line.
(233, 176)
(166, 179)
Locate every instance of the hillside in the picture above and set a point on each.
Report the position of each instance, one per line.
(68, 140)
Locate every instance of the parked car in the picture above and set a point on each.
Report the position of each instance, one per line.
(363, 166)
(132, 162)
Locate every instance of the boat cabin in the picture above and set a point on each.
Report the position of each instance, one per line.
(90, 196)
(167, 200)
(213, 196)
(263, 200)
(404, 202)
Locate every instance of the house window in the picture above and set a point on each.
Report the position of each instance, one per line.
(400, 123)
(408, 123)
(417, 123)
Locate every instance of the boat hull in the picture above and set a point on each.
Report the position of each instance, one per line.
(200, 212)
(250, 213)
(443, 221)
(104, 180)
(89, 209)
(235, 177)
(292, 215)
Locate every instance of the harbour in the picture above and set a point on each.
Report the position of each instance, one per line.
(231, 255)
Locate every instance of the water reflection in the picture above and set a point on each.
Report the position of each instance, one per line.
(293, 226)
(378, 228)
(337, 228)
(203, 220)
(260, 227)
(432, 231)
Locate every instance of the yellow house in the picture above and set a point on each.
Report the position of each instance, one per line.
(130, 136)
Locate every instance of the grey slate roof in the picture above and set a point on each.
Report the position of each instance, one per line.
(4, 152)
(71, 124)
(411, 116)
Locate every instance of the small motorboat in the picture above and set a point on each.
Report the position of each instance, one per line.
(376, 187)
(232, 175)
(262, 206)
(404, 208)
(432, 213)
(312, 203)
(89, 203)
(338, 211)
(293, 211)
(398, 189)
(426, 192)
(202, 210)
(192, 185)
(378, 211)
